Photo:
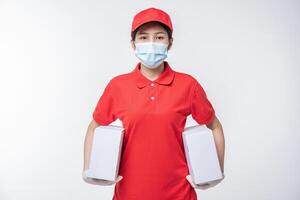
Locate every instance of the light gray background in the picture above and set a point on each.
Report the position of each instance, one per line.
(56, 57)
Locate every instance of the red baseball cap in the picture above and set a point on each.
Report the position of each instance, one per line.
(151, 14)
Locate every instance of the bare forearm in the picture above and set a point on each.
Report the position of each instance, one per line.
(88, 144)
(219, 139)
(220, 144)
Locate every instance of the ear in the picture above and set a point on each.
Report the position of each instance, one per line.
(132, 44)
(170, 43)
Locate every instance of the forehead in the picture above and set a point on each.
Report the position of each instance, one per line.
(151, 27)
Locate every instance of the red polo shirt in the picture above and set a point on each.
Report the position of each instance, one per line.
(153, 113)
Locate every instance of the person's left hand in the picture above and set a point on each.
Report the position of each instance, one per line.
(95, 181)
(206, 185)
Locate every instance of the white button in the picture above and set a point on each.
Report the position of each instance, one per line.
(152, 84)
(152, 98)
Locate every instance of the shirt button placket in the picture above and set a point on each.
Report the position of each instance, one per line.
(152, 91)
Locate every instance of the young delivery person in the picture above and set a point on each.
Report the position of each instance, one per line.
(153, 102)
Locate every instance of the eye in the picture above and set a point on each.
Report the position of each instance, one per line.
(160, 37)
(142, 37)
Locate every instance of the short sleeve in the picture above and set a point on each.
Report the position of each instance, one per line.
(202, 110)
(104, 112)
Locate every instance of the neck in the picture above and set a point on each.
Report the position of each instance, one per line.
(152, 74)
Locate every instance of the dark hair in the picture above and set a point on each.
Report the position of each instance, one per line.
(133, 33)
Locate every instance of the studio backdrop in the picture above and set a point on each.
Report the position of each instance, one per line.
(56, 58)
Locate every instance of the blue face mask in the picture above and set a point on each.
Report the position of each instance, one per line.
(151, 54)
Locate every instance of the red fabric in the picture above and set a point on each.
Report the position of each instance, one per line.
(151, 14)
(153, 163)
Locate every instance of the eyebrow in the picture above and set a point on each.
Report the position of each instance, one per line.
(140, 33)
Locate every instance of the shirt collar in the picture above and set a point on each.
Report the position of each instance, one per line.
(165, 78)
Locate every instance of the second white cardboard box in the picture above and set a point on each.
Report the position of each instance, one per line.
(106, 152)
(201, 154)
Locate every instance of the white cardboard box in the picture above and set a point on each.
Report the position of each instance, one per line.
(106, 152)
(201, 154)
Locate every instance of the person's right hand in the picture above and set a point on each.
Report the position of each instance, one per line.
(95, 181)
